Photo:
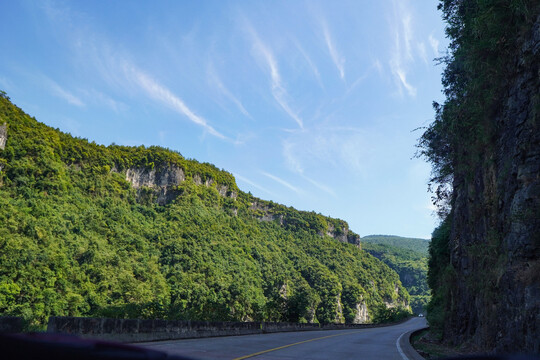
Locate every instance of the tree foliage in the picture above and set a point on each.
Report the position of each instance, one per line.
(482, 37)
(77, 239)
(409, 258)
(480, 62)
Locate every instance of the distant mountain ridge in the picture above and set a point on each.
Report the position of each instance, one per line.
(414, 244)
(118, 231)
(409, 258)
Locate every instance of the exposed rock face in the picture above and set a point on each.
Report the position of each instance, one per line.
(162, 181)
(3, 136)
(197, 179)
(169, 176)
(166, 179)
(495, 238)
(265, 213)
(362, 315)
(344, 235)
(223, 190)
(3, 140)
(339, 311)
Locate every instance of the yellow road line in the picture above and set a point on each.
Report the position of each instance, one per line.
(286, 346)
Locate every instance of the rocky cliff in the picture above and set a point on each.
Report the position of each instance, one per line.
(491, 289)
(495, 237)
(164, 181)
(3, 136)
(321, 225)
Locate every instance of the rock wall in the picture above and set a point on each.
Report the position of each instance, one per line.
(495, 237)
(362, 315)
(3, 136)
(265, 212)
(165, 180)
(139, 330)
(3, 140)
(344, 235)
(169, 176)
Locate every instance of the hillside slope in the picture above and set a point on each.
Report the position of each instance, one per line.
(409, 258)
(485, 149)
(420, 246)
(90, 230)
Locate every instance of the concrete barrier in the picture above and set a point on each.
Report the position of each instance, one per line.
(11, 324)
(140, 330)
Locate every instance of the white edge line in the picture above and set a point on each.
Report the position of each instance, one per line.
(399, 347)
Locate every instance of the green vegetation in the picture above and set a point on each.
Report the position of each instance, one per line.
(416, 245)
(430, 348)
(409, 258)
(441, 277)
(77, 239)
(486, 38)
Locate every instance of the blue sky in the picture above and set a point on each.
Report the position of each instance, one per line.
(311, 104)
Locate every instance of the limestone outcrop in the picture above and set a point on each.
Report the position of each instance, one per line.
(3, 136)
(164, 180)
(269, 211)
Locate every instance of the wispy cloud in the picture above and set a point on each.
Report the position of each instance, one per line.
(291, 159)
(281, 181)
(407, 33)
(215, 81)
(339, 61)
(5, 84)
(64, 94)
(160, 93)
(328, 147)
(70, 125)
(295, 164)
(422, 52)
(115, 67)
(402, 77)
(278, 90)
(320, 186)
(102, 99)
(377, 65)
(249, 182)
(402, 49)
(310, 62)
(434, 43)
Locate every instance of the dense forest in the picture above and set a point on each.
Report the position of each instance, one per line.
(484, 147)
(116, 231)
(409, 258)
(417, 245)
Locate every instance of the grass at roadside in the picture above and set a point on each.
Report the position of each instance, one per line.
(430, 348)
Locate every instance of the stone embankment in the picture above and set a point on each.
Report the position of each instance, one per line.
(140, 330)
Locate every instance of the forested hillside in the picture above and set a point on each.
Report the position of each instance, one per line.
(484, 146)
(420, 246)
(93, 230)
(409, 258)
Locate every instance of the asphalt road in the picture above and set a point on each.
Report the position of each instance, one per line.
(375, 343)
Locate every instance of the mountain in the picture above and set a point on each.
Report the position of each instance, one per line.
(117, 231)
(409, 258)
(417, 245)
(484, 147)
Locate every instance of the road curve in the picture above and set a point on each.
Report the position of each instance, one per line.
(390, 342)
